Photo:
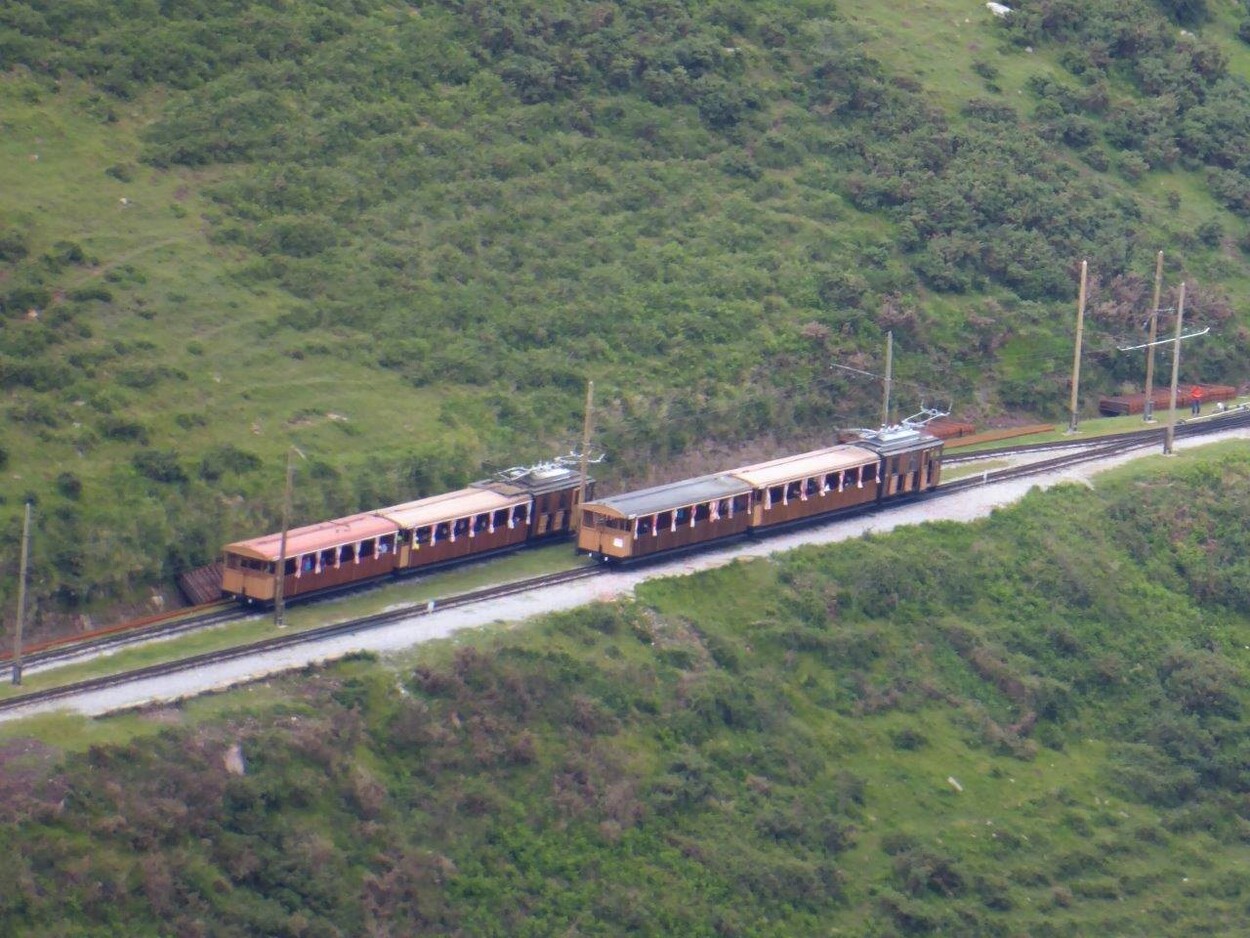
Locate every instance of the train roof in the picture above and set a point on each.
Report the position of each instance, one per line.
(314, 537)
(536, 480)
(461, 503)
(668, 497)
(897, 439)
(805, 465)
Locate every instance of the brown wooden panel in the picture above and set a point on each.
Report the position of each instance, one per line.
(815, 505)
(684, 536)
(482, 542)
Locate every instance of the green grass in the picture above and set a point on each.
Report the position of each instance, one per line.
(414, 592)
(768, 746)
(704, 266)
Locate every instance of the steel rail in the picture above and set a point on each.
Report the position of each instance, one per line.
(1095, 449)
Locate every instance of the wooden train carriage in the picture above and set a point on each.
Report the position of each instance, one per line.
(466, 522)
(318, 556)
(796, 487)
(555, 490)
(911, 460)
(666, 517)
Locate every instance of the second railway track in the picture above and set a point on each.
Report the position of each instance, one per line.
(1073, 453)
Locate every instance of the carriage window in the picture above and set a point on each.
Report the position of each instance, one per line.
(501, 517)
(443, 531)
(812, 487)
(271, 568)
(289, 566)
(644, 526)
(742, 502)
(249, 564)
(402, 537)
(775, 493)
(462, 526)
(366, 548)
(665, 520)
(307, 562)
(481, 523)
(518, 513)
(422, 535)
(347, 553)
(702, 512)
(327, 558)
(794, 490)
(683, 515)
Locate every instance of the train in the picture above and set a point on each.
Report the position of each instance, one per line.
(531, 505)
(524, 505)
(876, 467)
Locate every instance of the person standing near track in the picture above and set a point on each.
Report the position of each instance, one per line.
(1195, 400)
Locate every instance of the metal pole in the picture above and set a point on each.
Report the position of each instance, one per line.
(889, 378)
(581, 490)
(1076, 356)
(279, 586)
(1170, 436)
(1148, 411)
(21, 599)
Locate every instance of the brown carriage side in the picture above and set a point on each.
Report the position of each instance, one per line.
(810, 484)
(911, 460)
(458, 524)
(665, 517)
(318, 556)
(556, 493)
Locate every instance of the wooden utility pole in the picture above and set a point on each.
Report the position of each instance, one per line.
(21, 598)
(1076, 356)
(1170, 436)
(889, 378)
(586, 425)
(279, 585)
(1148, 411)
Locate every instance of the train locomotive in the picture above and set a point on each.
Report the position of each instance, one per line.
(879, 466)
(519, 506)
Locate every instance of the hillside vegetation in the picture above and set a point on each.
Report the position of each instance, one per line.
(1029, 725)
(402, 236)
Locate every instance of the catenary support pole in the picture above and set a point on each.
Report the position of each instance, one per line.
(279, 584)
(21, 598)
(1148, 411)
(586, 425)
(1170, 436)
(889, 378)
(1076, 356)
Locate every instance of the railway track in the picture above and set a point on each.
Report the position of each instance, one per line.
(1072, 453)
(297, 638)
(1206, 424)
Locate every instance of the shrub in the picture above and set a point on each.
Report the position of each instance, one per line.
(69, 485)
(227, 458)
(119, 428)
(159, 465)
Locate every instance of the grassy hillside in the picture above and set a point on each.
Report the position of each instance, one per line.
(402, 237)
(1028, 725)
